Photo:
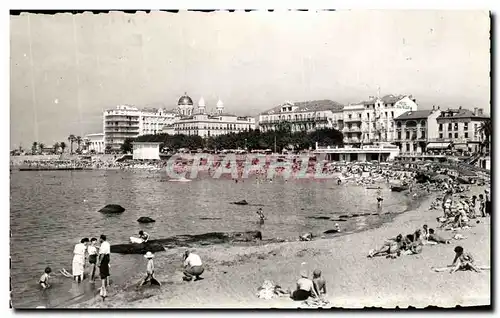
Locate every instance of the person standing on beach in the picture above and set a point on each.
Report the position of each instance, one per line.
(93, 253)
(103, 264)
(487, 202)
(79, 259)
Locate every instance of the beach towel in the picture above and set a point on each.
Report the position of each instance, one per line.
(316, 302)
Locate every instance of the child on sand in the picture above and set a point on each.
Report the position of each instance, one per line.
(44, 280)
(92, 250)
(150, 269)
(463, 261)
(319, 283)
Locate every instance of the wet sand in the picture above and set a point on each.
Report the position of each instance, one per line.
(233, 274)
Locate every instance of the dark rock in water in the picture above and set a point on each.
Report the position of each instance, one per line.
(318, 217)
(210, 218)
(187, 241)
(145, 219)
(112, 208)
(355, 215)
(338, 220)
(331, 231)
(242, 202)
(142, 248)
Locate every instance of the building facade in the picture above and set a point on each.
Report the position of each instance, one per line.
(303, 116)
(201, 123)
(377, 152)
(129, 122)
(460, 128)
(414, 129)
(94, 142)
(373, 120)
(146, 150)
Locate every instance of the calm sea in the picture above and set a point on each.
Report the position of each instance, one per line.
(52, 211)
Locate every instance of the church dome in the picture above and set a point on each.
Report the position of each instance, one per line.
(185, 100)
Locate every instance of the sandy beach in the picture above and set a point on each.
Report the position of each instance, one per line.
(233, 274)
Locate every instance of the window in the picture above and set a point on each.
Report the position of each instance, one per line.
(350, 116)
(392, 114)
(456, 135)
(449, 126)
(466, 135)
(450, 135)
(440, 127)
(456, 126)
(466, 126)
(399, 135)
(407, 147)
(422, 133)
(368, 116)
(407, 135)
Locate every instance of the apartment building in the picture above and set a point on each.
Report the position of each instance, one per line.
(373, 120)
(460, 128)
(414, 129)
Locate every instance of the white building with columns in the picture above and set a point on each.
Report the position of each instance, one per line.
(303, 116)
(94, 142)
(206, 124)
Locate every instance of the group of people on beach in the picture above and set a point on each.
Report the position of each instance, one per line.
(458, 212)
(98, 257)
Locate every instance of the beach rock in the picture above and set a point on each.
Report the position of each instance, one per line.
(145, 219)
(242, 202)
(112, 208)
(142, 248)
(331, 231)
(318, 217)
(187, 241)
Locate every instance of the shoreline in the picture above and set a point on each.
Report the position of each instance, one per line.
(225, 265)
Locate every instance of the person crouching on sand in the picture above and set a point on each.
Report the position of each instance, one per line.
(463, 261)
(305, 288)
(192, 266)
(44, 280)
(93, 251)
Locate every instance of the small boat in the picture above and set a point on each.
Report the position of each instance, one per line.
(180, 180)
(398, 188)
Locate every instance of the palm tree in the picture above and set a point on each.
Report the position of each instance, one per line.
(78, 142)
(41, 146)
(63, 146)
(56, 147)
(34, 148)
(71, 139)
(486, 130)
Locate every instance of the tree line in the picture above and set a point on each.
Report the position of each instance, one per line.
(277, 140)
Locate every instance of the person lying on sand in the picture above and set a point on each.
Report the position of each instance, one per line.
(463, 260)
(305, 288)
(415, 246)
(193, 267)
(306, 237)
(390, 248)
(319, 283)
(436, 238)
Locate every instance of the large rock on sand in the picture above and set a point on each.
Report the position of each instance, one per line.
(112, 209)
(145, 219)
(187, 241)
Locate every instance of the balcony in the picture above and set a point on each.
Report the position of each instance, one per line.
(122, 120)
(352, 140)
(298, 120)
(352, 129)
(121, 126)
(352, 120)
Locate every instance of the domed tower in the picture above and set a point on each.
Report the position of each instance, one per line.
(201, 106)
(185, 105)
(220, 107)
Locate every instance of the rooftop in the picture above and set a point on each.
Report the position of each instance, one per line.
(387, 99)
(417, 114)
(461, 113)
(309, 106)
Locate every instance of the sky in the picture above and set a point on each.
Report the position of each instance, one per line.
(66, 69)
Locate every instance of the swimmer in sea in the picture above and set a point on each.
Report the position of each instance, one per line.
(44, 280)
(261, 215)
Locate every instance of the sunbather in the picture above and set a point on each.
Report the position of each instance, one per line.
(463, 260)
(436, 238)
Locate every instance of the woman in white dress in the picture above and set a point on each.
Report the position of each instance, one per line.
(79, 259)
